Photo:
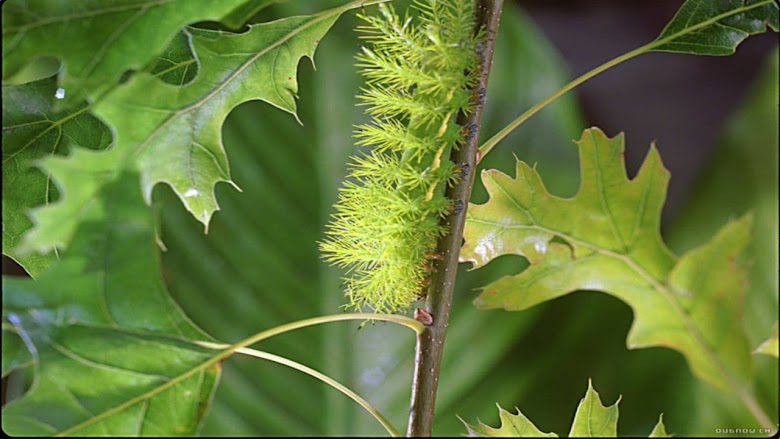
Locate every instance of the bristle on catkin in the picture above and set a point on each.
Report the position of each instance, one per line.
(386, 223)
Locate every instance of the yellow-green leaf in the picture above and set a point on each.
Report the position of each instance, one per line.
(660, 430)
(512, 425)
(769, 347)
(611, 242)
(592, 419)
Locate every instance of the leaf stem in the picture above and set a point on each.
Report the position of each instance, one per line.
(490, 143)
(430, 343)
(402, 320)
(311, 372)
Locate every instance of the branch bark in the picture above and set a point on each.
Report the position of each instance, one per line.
(430, 343)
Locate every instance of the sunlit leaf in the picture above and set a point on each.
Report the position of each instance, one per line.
(660, 429)
(769, 347)
(611, 243)
(512, 425)
(111, 351)
(716, 27)
(592, 419)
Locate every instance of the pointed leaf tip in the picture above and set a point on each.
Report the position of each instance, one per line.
(512, 425)
(713, 27)
(591, 420)
(770, 345)
(612, 243)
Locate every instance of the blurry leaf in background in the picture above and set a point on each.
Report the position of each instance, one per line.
(769, 347)
(32, 131)
(109, 348)
(259, 265)
(592, 419)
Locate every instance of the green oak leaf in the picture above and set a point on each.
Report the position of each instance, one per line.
(177, 65)
(770, 346)
(512, 425)
(611, 243)
(112, 353)
(660, 429)
(716, 27)
(592, 419)
(96, 40)
(32, 131)
(171, 133)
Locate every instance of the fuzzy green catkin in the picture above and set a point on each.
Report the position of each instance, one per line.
(386, 223)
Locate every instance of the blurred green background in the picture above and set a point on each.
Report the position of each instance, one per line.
(715, 121)
(259, 267)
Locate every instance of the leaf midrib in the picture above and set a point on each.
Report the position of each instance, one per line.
(666, 291)
(240, 69)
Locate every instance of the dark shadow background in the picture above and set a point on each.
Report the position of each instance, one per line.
(656, 96)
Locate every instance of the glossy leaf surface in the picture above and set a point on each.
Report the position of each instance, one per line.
(111, 352)
(716, 27)
(611, 243)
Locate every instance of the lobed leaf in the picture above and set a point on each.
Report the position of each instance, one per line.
(512, 425)
(171, 133)
(96, 40)
(612, 243)
(716, 27)
(263, 242)
(592, 419)
(32, 131)
(111, 352)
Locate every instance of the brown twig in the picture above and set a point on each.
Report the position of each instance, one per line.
(430, 343)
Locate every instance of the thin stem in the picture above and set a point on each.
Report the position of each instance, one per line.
(430, 343)
(311, 372)
(402, 320)
(490, 143)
